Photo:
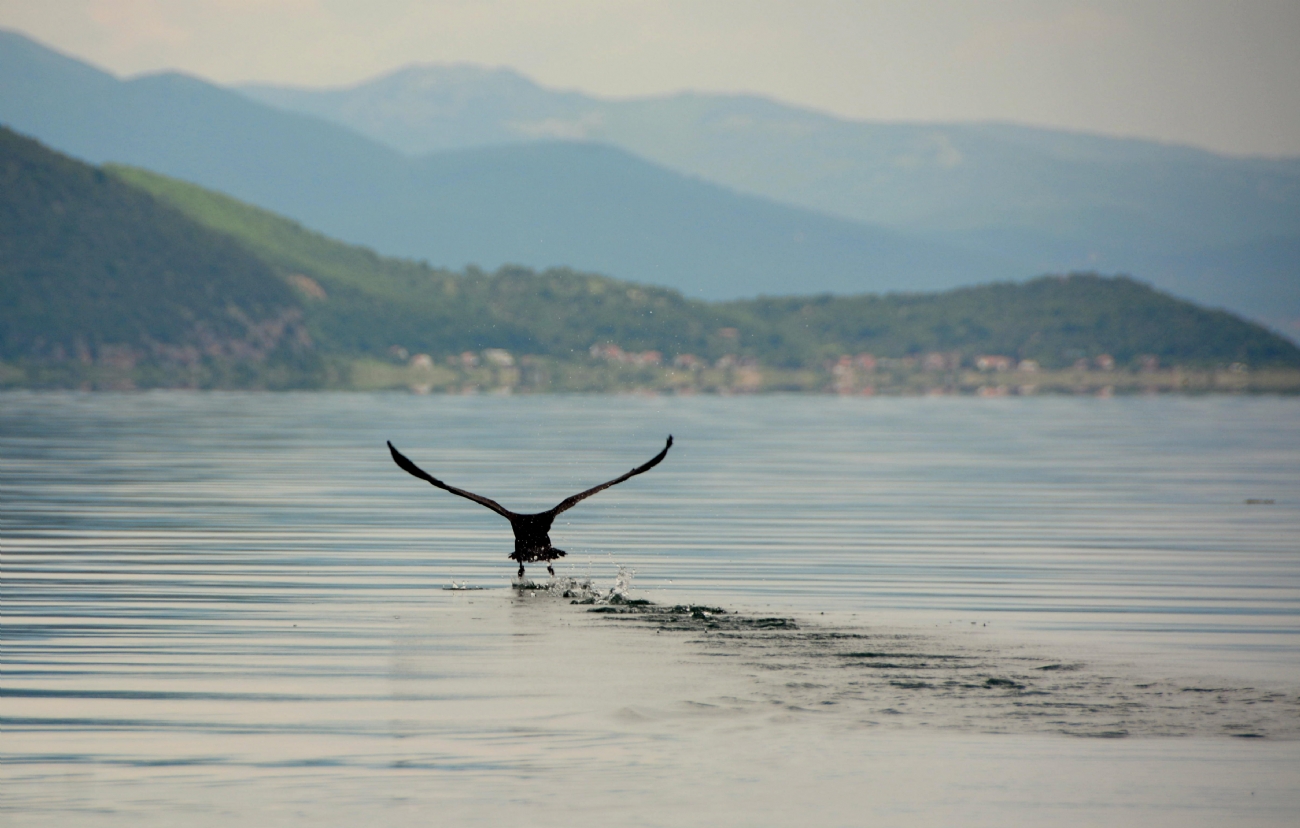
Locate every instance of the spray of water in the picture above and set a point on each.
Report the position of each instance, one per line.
(622, 583)
(584, 589)
(461, 585)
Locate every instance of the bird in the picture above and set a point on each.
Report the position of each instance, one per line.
(532, 531)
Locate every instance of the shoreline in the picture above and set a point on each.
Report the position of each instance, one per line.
(535, 375)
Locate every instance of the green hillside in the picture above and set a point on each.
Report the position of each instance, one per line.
(1054, 320)
(374, 302)
(377, 302)
(93, 271)
(120, 277)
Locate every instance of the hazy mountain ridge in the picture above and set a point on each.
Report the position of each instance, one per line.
(932, 177)
(586, 206)
(1044, 199)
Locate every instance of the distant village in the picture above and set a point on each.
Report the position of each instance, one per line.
(607, 367)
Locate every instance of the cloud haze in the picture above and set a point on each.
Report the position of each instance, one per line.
(1214, 74)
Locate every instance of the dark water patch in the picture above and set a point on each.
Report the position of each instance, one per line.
(693, 618)
(958, 674)
(1002, 682)
(896, 654)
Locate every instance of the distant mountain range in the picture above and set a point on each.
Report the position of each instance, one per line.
(115, 273)
(1081, 195)
(1221, 230)
(590, 206)
(736, 196)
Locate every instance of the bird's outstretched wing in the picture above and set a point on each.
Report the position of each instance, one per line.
(412, 469)
(570, 502)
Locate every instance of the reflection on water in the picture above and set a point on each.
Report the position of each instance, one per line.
(229, 605)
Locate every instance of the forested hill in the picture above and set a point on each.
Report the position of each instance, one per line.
(127, 268)
(93, 269)
(382, 302)
(1054, 320)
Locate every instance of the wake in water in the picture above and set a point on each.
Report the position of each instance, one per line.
(881, 677)
(908, 678)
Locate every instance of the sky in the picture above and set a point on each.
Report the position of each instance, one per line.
(1218, 74)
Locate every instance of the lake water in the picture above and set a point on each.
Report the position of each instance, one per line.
(224, 609)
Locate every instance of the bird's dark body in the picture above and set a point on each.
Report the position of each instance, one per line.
(533, 538)
(532, 532)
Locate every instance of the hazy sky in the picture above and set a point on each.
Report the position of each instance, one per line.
(1222, 74)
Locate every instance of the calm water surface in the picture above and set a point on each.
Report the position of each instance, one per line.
(226, 608)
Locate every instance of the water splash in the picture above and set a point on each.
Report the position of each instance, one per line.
(582, 590)
(622, 583)
(460, 586)
(620, 593)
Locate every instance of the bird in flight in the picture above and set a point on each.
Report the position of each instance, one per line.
(532, 532)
